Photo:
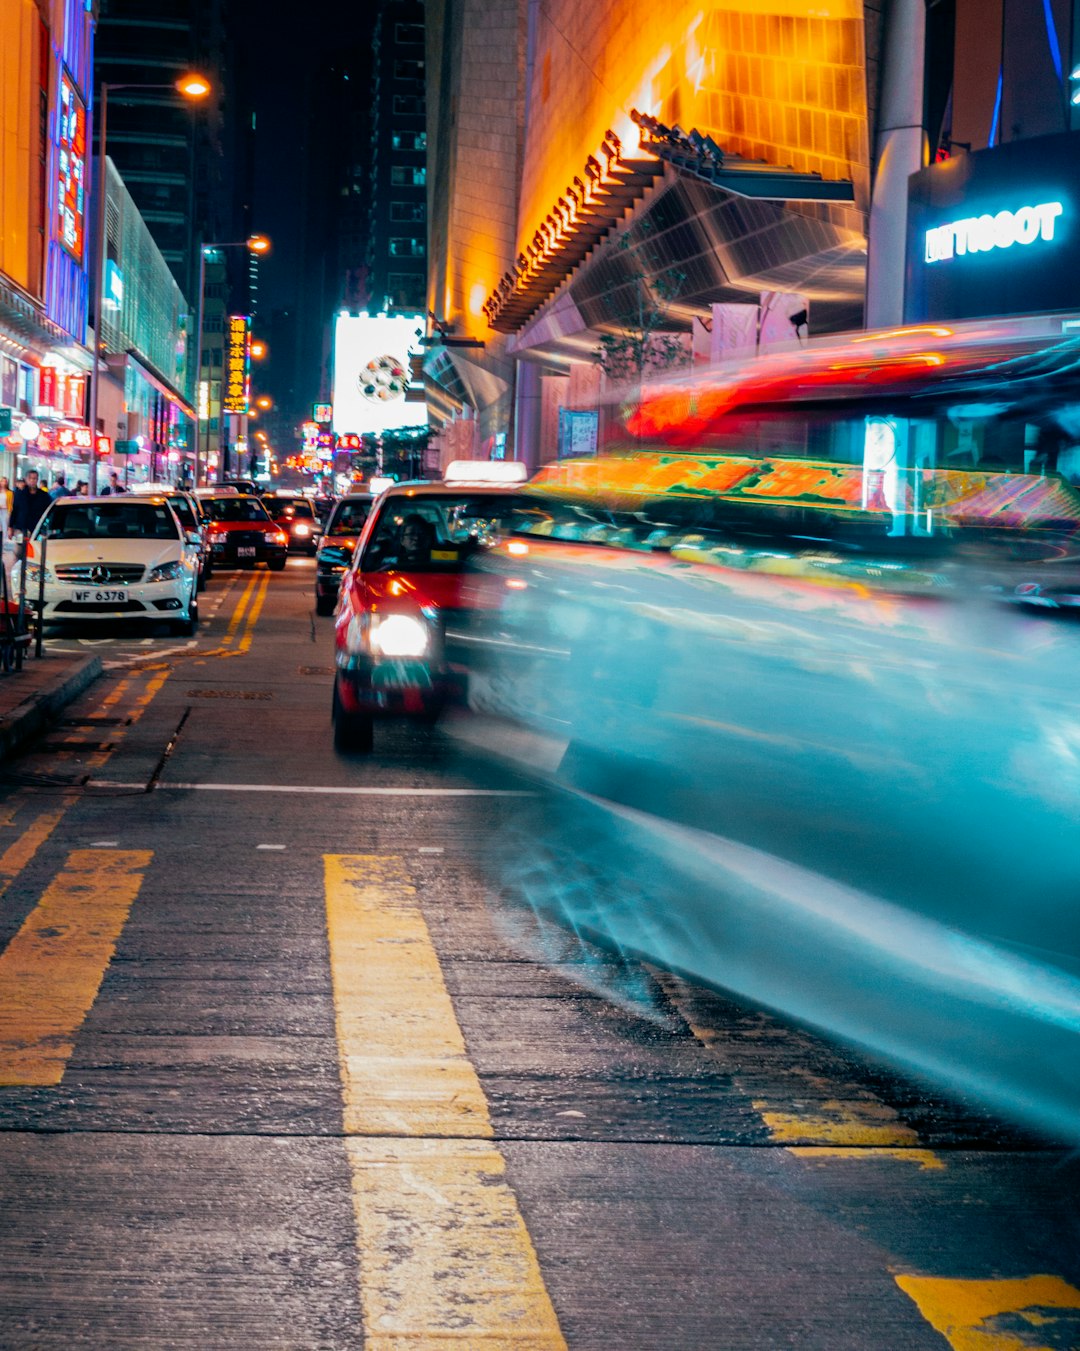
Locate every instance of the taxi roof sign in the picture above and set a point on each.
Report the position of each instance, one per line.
(490, 473)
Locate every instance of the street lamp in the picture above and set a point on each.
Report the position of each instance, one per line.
(264, 402)
(190, 86)
(260, 246)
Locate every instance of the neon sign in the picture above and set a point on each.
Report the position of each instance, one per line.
(982, 234)
(237, 364)
(71, 169)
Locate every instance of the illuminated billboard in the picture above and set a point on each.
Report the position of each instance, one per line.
(237, 364)
(71, 170)
(371, 372)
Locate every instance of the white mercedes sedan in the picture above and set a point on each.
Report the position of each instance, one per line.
(111, 558)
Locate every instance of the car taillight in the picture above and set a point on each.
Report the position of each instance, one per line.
(281, 537)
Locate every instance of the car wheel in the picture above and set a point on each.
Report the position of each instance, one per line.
(313, 549)
(189, 626)
(324, 605)
(276, 564)
(200, 584)
(353, 732)
(208, 571)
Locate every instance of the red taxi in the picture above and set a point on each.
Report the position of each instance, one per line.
(242, 533)
(408, 583)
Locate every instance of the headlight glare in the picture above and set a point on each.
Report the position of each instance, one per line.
(398, 636)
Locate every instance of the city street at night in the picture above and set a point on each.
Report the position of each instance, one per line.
(539, 631)
(285, 1063)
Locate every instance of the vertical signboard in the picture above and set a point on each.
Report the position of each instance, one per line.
(237, 364)
(71, 170)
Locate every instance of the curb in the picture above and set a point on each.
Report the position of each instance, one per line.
(31, 716)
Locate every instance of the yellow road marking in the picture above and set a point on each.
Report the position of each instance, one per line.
(1031, 1313)
(253, 613)
(445, 1258)
(404, 1066)
(52, 969)
(857, 1121)
(17, 855)
(927, 1160)
(812, 1115)
(238, 613)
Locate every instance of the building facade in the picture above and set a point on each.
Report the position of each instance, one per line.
(676, 164)
(146, 328)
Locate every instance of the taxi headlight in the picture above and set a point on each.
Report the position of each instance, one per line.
(301, 529)
(399, 636)
(166, 572)
(33, 573)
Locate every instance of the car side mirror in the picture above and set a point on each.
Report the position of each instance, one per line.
(192, 537)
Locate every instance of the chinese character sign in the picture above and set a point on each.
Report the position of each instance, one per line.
(71, 197)
(237, 364)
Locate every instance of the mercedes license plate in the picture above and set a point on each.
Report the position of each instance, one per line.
(245, 551)
(100, 596)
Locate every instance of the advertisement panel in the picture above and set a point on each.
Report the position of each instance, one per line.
(71, 169)
(237, 364)
(371, 372)
(996, 232)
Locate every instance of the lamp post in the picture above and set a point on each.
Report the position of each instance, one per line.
(258, 245)
(191, 87)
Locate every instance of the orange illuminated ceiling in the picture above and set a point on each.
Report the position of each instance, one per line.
(597, 199)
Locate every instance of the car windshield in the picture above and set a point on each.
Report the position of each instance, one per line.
(235, 509)
(182, 507)
(436, 533)
(286, 508)
(109, 520)
(349, 519)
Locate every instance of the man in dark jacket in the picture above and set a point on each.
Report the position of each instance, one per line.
(29, 505)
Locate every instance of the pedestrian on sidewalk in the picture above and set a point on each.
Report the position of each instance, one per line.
(7, 545)
(59, 488)
(28, 507)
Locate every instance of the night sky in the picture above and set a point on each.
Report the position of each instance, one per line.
(281, 49)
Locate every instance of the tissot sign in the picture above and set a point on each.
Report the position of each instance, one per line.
(996, 232)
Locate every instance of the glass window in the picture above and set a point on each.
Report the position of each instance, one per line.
(349, 518)
(408, 211)
(408, 175)
(235, 509)
(72, 519)
(436, 534)
(407, 248)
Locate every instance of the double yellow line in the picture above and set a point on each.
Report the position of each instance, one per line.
(247, 614)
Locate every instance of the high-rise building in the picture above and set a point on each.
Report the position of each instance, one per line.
(397, 229)
(169, 154)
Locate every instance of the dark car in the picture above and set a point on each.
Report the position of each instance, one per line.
(296, 516)
(335, 552)
(242, 534)
(242, 485)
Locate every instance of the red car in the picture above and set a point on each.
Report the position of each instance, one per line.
(242, 534)
(408, 583)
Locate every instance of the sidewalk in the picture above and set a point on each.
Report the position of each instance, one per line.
(32, 697)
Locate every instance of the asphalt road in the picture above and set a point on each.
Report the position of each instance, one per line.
(285, 1063)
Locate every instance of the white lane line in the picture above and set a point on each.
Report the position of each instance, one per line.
(269, 846)
(105, 844)
(308, 788)
(430, 849)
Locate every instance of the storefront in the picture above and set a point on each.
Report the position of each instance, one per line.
(996, 232)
